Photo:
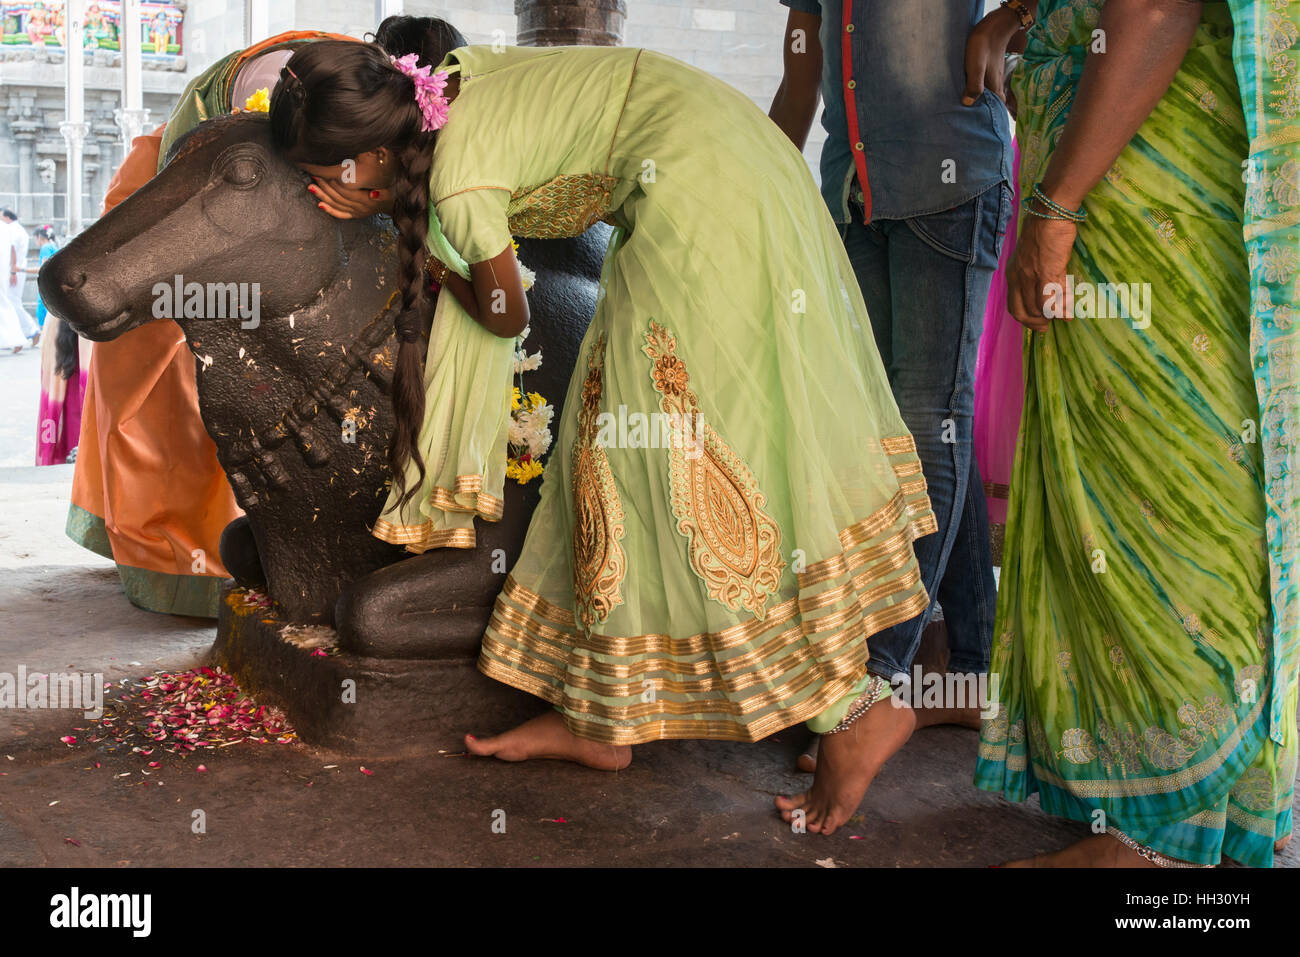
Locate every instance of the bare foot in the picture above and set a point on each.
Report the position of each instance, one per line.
(1100, 850)
(808, 760)
(847, 764)
(932, 717)
(1280, 845)
(547, 737)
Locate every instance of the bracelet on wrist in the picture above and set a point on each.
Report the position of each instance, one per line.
(1021, 11)
(1059, 212)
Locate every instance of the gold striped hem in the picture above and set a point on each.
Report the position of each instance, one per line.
(898, 445)
(486, 507)
(710, 642)
(421, 538)
(532, 644)
(732, 674)
(528, 668)
(564, 649)
(531, 601)
(726, 728)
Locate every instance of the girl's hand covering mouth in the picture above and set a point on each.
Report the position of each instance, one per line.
(349, 202)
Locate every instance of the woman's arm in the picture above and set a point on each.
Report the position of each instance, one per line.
(495, 295)
(1146, 41)
(795, 104)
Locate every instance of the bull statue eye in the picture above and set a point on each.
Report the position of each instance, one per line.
(242, 166)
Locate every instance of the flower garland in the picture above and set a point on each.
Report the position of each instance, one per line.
(530, 414)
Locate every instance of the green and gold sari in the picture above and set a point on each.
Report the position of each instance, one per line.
(1146, 637)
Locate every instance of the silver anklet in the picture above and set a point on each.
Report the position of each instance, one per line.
(1155, 857)
(876, 688)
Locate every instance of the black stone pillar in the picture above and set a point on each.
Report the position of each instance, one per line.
(549, 23)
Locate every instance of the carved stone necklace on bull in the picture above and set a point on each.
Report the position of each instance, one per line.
(530, 413)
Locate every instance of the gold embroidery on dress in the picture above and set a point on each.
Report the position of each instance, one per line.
(735, 546)
(1112, 401)
(1193, 625)
(598, 560)
(564, 206)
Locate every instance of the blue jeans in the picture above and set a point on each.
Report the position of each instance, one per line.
(926, 283)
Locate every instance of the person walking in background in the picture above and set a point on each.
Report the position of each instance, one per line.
(12, 336)
(46, 246)
(919, 185)
(65, 362)
(19, 243)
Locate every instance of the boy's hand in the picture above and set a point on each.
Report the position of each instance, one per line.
(986, 53)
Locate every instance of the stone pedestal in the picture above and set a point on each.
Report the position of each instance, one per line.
(375, 706)
(549, 23)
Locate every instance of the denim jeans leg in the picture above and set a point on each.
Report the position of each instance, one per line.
(868, 250)
(967, 590)
(940, 267)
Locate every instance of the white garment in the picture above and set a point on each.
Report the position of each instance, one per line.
(19, 242)
(12, 333)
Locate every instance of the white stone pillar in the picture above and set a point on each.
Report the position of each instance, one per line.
(74, 126)
(387, 8)
(132, 116)
(257, 21)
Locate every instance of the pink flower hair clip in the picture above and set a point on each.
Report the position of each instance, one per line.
(428, 91)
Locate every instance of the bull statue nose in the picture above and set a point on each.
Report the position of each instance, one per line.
(73, 281)
(91, 303)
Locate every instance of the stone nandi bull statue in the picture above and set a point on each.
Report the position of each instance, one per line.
(299, 410)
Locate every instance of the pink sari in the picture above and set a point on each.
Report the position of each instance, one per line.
(999, 386)
(58, 424)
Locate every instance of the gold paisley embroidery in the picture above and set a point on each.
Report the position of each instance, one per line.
(564, 206)
(598, 560)
(735, 546)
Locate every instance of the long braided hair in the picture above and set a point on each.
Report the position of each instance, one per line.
(336, 100)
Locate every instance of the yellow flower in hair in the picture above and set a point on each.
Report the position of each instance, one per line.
(259, 102)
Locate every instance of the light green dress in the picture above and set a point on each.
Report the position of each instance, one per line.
(717, 572)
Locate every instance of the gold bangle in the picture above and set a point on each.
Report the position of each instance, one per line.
(437, 270)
